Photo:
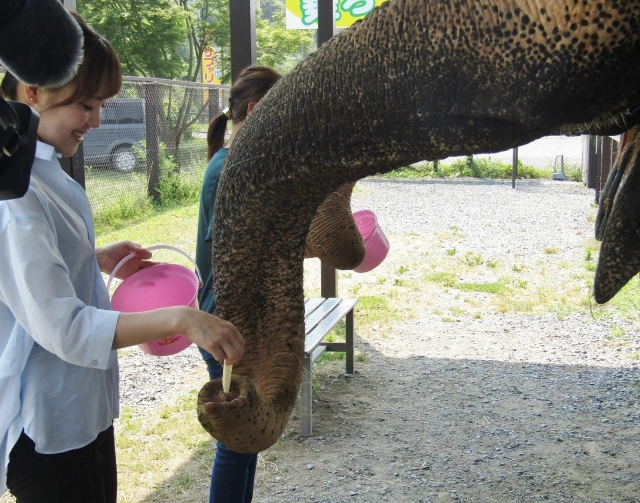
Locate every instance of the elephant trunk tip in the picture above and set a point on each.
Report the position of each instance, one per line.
(241, 419)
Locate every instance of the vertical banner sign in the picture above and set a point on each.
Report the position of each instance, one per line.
(211, 74)
(303, 14)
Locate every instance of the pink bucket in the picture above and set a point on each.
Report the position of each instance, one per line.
(375, 242)
(161, 285)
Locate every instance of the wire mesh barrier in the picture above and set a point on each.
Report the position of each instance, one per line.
(561, 157)
(151, 145)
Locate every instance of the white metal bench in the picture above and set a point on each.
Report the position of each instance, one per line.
(320, 316)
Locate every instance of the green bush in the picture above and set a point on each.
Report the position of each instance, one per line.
(126, 208)
(174, 189)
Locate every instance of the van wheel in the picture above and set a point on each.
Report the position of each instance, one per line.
(124, 159)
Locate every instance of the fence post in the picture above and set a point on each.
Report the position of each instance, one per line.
(151, 102)
(214, 103)
(514, 168)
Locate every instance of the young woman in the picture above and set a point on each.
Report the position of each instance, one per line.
(58, 336)
(233, 474)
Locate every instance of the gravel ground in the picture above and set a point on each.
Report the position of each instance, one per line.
(502, 407)
(478, 408)
(473, 405)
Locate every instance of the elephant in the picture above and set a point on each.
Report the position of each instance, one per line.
(414, 80)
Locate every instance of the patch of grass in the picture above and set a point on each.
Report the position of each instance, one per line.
(551, 251)
(456, 311)
(176, 226)
(331, 356)
(494, 288)
(443, 278)
(627, 300)
(491, 264)
(149, 450)
(472, 260)
(451, 252)
(126, 208)
(447, 320)
(402, 269)
(449, 280)
(374, 309)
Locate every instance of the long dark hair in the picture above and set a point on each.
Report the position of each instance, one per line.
(100, 70)
(251, 86)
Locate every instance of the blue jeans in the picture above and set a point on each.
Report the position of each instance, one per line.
(233, 474)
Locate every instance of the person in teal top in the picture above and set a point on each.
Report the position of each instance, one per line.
(233, 474)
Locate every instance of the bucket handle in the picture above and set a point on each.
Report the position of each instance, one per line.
(150, 248)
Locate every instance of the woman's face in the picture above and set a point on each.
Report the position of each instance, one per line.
(64, 127)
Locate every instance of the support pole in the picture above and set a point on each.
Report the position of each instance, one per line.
(242, 20)
(326, 26)
(326, 21)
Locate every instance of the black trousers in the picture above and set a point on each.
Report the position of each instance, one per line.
(85, 475)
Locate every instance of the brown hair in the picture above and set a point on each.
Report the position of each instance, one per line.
(250, 87)
(100, 69)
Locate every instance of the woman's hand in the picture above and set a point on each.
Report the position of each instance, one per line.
(109, 255)
(218, 337)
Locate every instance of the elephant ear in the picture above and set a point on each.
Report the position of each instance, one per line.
(619, 259)
(333, 235)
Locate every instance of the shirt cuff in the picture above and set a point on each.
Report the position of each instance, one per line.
(103, 330)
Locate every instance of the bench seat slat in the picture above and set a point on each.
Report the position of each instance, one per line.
(320, 313)
(324, 326)
(310, 305)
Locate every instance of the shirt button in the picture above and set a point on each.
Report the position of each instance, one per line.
(94, 363)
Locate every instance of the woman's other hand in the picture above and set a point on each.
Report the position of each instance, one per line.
(215, 335)
(109, 255)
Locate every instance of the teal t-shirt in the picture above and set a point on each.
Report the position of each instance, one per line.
(206, 296)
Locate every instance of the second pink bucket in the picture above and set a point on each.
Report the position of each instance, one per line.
(375, 242)
(161, 285)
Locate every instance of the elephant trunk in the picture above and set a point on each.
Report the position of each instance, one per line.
(415, 80)
(334, 237)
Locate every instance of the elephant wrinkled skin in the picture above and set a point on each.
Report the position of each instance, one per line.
(415, 80)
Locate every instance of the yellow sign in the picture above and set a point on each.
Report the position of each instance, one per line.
(303, 14)
(211, 72)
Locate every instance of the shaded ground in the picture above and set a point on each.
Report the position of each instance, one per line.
(482, 410)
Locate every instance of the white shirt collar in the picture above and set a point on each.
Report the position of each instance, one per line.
(45, 152)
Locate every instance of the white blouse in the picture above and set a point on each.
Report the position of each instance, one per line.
(58, 374)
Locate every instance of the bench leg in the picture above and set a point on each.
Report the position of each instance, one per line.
(349, 338)
(305, 394)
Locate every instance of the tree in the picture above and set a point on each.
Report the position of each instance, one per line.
(146, 34)
(278, 47)
(207, 25)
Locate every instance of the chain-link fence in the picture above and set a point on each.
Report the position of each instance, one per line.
(550, 153)
(151, 145)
